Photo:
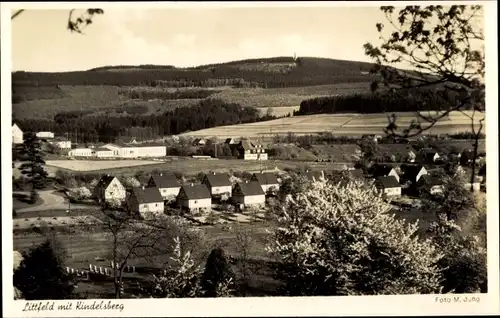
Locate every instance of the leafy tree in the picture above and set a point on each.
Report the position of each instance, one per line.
(442, 48)
(218, 278)
(344, 241)
(41, 274)
(180, 279)
(149, 240)
(464, 263)
(34, 167)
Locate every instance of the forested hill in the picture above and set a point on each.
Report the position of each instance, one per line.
(266, 73)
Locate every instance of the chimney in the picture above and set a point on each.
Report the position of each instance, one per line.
(192, 184)
(161, 174)
(246, 181)
(213, 173)
(143, 188)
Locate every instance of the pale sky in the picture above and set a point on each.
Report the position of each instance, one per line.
(190, 36)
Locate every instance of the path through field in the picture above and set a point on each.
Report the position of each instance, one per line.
(52, 201)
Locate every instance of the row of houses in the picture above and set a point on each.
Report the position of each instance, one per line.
(164, 188)
(390, 179)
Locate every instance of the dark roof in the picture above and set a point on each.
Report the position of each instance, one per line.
(196, 191)
(246, 144)
(250, 188)
(105, 181)
(388, 182)
(313, 174)
(165, 180)
(265, 178)
(102, 149)
(432, 181)
(410, 172)
(381, 170)
(218, 180)
(147, 195)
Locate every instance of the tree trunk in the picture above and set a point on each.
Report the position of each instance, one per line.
(474, 158)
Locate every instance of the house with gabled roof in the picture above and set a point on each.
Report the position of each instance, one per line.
(194, 197)
(17, 134)
(268, 181)
(388, 185)
(248, 193)
(433, 184)
(109, 188)
(147, 201)
(249, 151)
(167, 184)
(380, 170)
(218, 184)
(467, 156)
(413, 172)
(199, 142)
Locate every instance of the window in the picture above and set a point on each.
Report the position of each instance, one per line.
(195, 201)
(156, 204)
(111, 193)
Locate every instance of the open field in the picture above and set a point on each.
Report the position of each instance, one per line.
(195, 166)
(341, 124)
(346, 152)
(26, 223)
(45, 102)
(91, 165)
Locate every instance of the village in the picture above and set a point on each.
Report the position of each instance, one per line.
(164, 191)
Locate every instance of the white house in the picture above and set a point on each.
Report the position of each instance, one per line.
(110, 188)
(137, 150)
(167, 184)
(102, 153)
(428, 156)
(217, 184)
(268, 181)
(45, 134)
(17, 134)
(62, 143)
(249, 151)
(388, 185)
(248, 193)
(81, 152)
(413, 173)
(194, 197)
(384, 171)
(147, 201)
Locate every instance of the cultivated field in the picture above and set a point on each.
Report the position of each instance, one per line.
(106, 98)
(93, 165)
(195, 166)
(341, 124)
(25, 223)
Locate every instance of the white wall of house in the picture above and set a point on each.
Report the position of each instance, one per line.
(250, 199)
(169, 192)
(392, 191)
(154, 207)
(104, 154)
(63, 144)
(476, 186)
(156, 151)
(267, 187)
(437, 189)
(80, 152)
(436, 157)
(17, 135)
(115, 190)
(196, 204)
(45, 134)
